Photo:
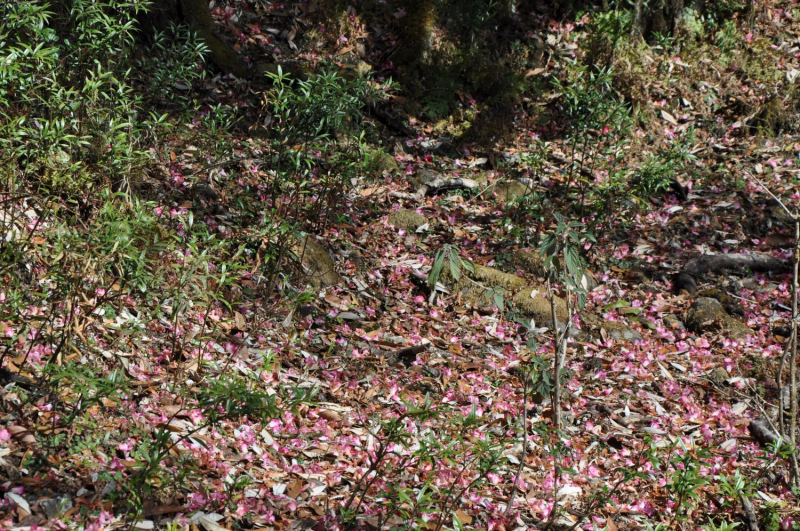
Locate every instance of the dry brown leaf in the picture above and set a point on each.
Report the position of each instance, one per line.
(668, 117)
(22, 434)
(463, 517)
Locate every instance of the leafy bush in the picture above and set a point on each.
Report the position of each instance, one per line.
(316, 153)
(167, 67)
(661, 168)
(598, 125)
(69, 113)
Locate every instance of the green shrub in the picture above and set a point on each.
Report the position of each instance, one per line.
(661, 168)
(70, 119)
(316, 152)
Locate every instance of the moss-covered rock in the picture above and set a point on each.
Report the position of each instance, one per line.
(386, 163)
(529, 300)
(708, 314)
(318, 266)
(507, 190)
(407, 219)
(532, 262)
(529, 261)
(719, 376)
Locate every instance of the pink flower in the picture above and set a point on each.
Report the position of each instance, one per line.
(126, 447)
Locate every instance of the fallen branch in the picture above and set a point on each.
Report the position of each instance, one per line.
(715, 263)
(750, 514)
(762, 433)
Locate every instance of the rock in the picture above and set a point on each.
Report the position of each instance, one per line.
(529, 300)
(318, 266)
(529, 261)
(730, 304)
(384, 162)
(718, 376)
(618, 331)
(425, 176)
(407, 219)
(762, 432)
(348, 316)
(708, 314)
(533, 263)
(672, 322)
(507, 190)
(52, 507)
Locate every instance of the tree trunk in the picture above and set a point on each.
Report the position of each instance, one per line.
(196, 14)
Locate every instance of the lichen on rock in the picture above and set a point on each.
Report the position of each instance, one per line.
(709, 314)
(318, 266)
(407, 219)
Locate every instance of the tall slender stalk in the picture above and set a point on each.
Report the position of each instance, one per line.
(793, 367)
(525, 378)
(789, 433)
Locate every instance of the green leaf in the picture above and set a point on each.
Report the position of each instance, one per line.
(469, 266)
(650, 325)
(436, 270)
(549, 246)
(499, 301)
(454, 258)
(455, 270)
(574, 261)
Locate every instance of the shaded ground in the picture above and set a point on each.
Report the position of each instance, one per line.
(652, 423)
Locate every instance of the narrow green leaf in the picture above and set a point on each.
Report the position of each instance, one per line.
(469, 266)
(616, 304)
(436, 270)
(455, 270)
(574, 261)
(499, 301)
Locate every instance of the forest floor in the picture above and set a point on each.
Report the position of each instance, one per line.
(416, 412)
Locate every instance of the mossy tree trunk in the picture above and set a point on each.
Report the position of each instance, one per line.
(418, 24)
(661, 16)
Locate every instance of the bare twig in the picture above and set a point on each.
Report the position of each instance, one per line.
(524, 443)
(790, 432)
(750, 513)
